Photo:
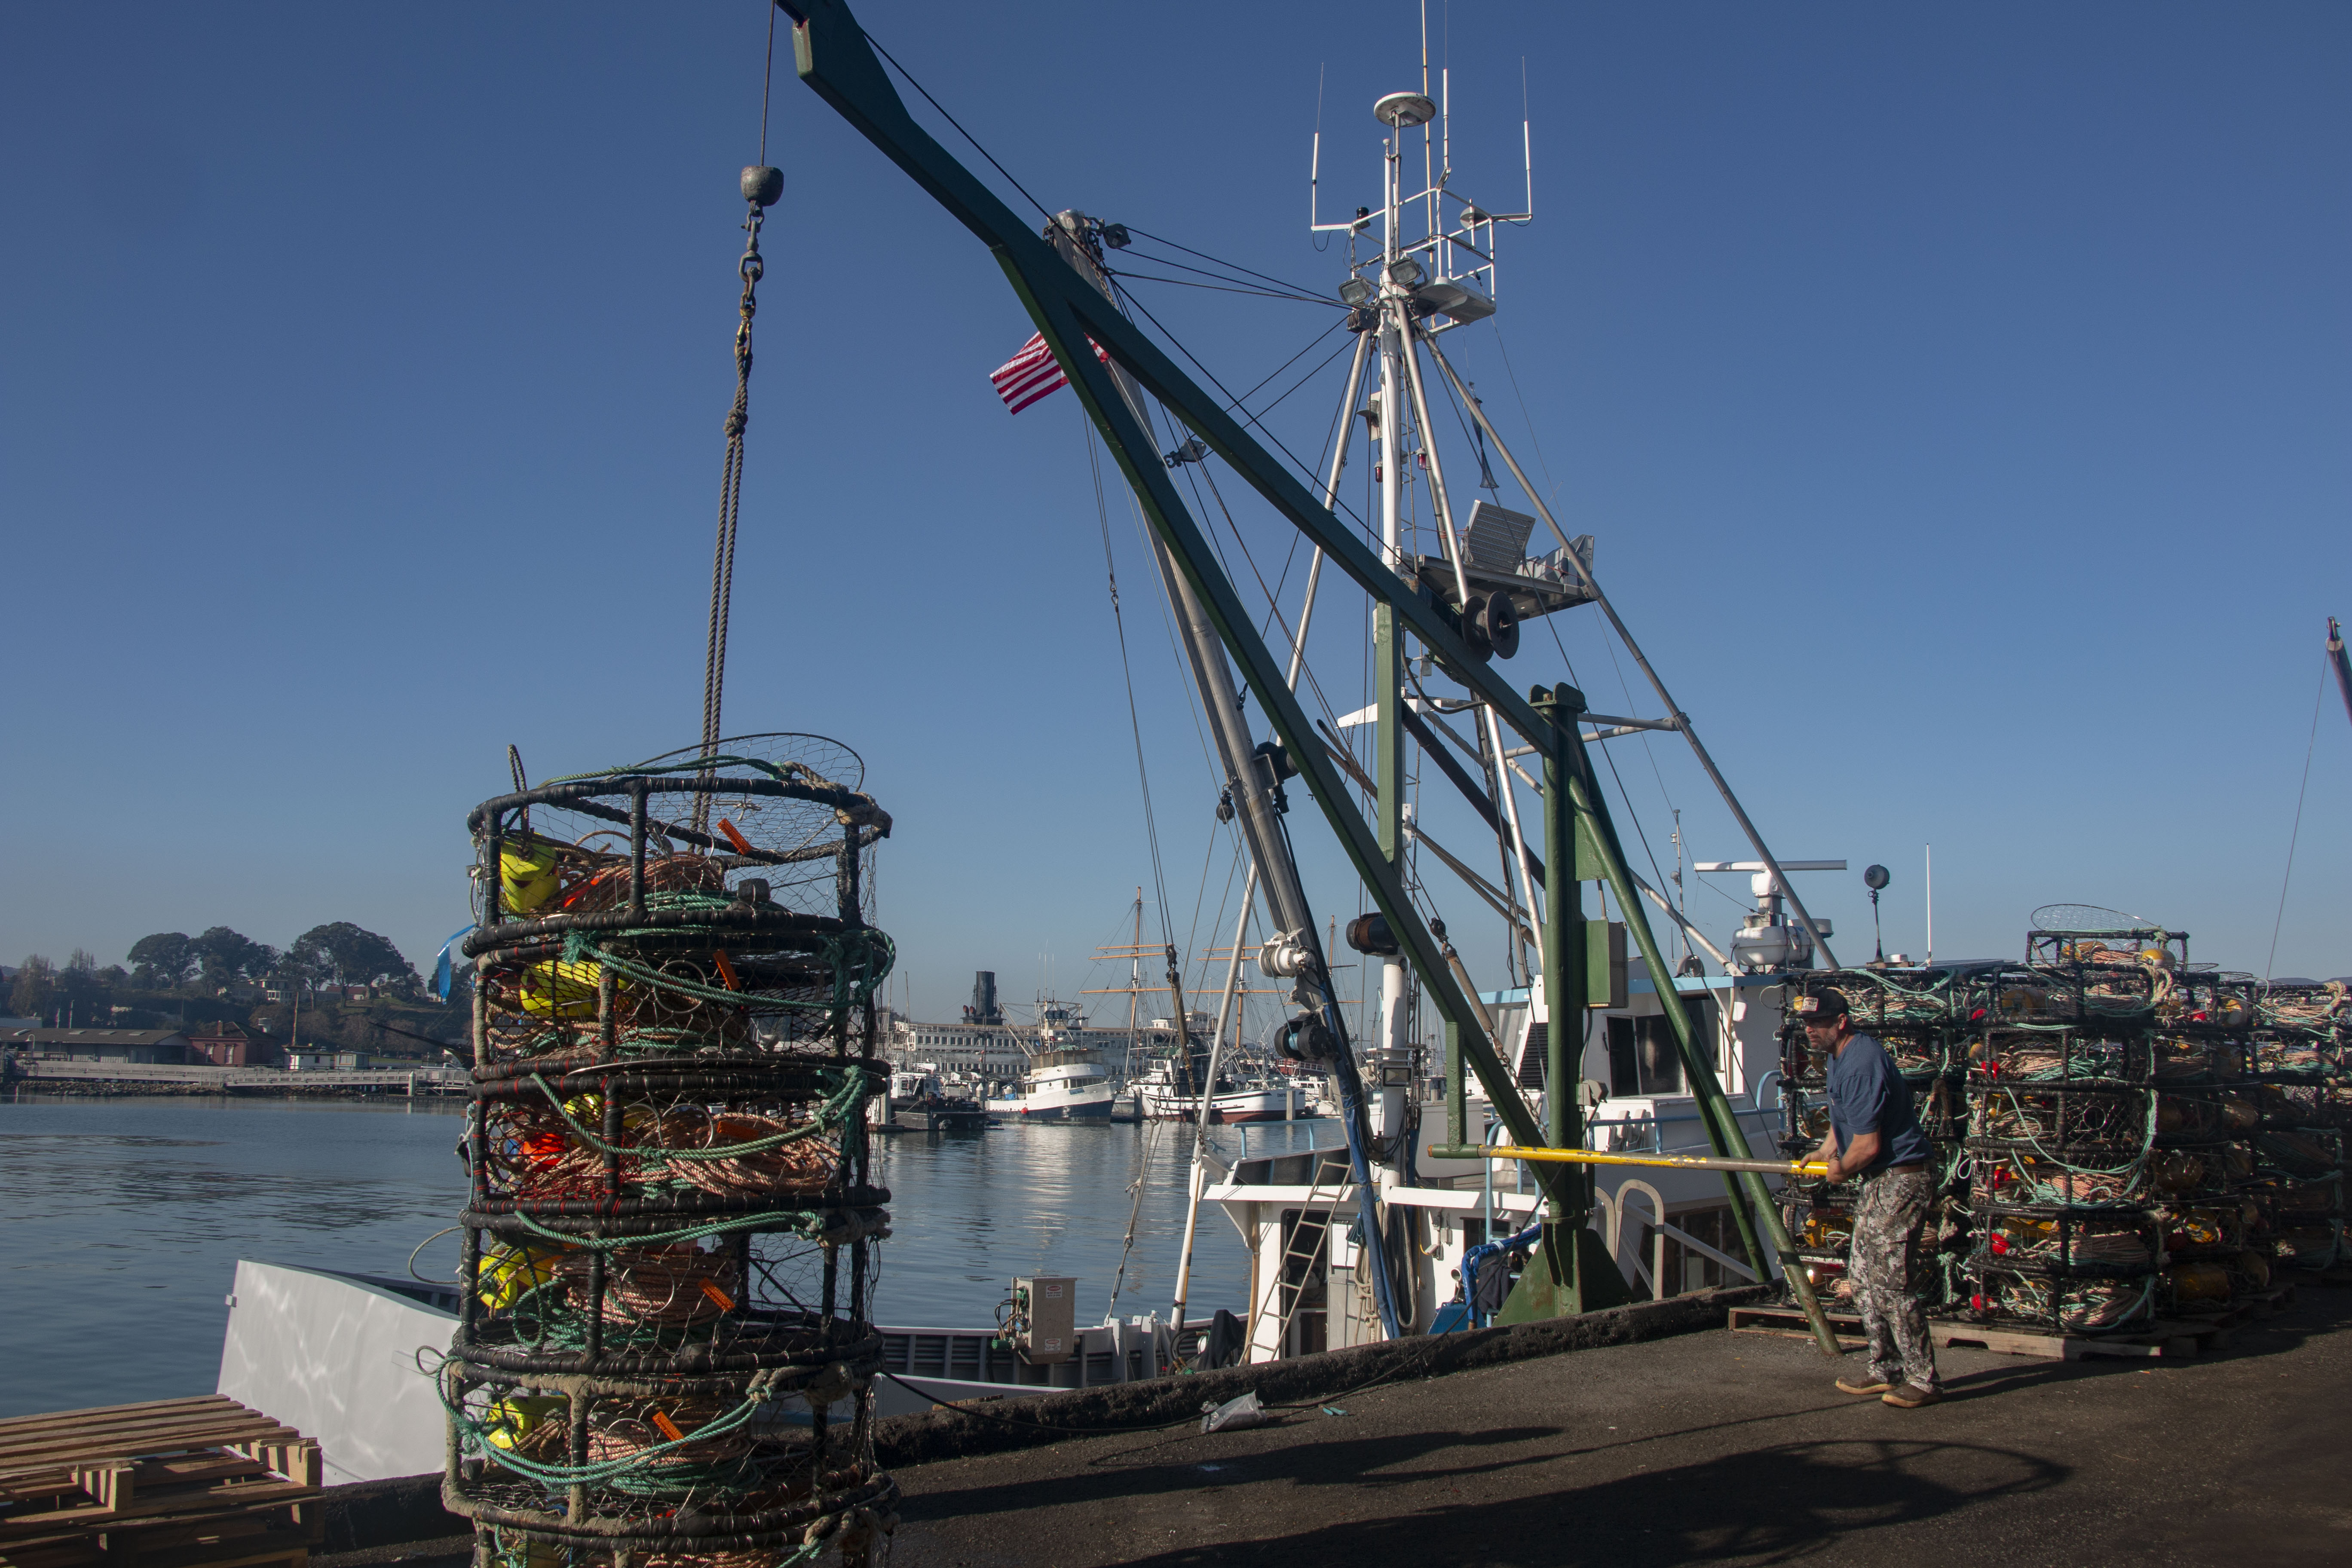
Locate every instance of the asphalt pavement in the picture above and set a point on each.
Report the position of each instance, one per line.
(1711, 1447)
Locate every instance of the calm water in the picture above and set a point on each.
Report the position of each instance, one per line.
(121, 1222)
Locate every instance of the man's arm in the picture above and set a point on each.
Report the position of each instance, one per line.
(1858, 1158)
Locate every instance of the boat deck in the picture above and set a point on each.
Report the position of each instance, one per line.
(1717, 1448)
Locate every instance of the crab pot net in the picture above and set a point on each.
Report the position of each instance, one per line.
(2304, 1032)
(1878, 1002)
(2193, 1229)
(2203, 1287)
(2085, 936)
(2059, 1305)
(1822, 1227)
(2063, 1241)
(665, 1353)
(2024, 1051)
(2096, 1124)
(2300, 1223)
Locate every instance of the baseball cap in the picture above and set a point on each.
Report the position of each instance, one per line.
(1818, 1007)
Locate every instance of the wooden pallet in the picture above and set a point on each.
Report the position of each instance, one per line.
(173, 1483)
(2157, 1340)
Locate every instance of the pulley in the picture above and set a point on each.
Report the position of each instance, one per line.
(1490, 625)
(1304, 1038)
(1369, 935)
(1285, 956)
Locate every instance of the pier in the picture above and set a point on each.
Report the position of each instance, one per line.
(1717, 1448)
(1707, 1447)
(38, 1072)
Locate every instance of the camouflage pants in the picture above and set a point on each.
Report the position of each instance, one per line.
(1881, 1263)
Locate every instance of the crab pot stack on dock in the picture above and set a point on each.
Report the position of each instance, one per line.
(1915, 1014)
(664, 1356)
(2303, 1067)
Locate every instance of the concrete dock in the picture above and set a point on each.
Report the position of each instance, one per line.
(1711, 1447)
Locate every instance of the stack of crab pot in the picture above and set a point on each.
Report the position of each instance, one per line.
(664, 1357)
(2113, 1097)
(2303, 1099)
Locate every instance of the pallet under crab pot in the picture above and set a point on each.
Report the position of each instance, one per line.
(2164, 1337)
(201, 1482)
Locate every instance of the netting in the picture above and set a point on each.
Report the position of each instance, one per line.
(665, 1353)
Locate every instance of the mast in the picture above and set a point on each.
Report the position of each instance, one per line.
(1134, 985)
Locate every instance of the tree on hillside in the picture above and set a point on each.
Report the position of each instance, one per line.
(80, 989)
(227, 956)
(161, 961)
(36, 987)
(346, 955)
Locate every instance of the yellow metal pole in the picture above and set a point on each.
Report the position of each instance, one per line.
(1592, 1157)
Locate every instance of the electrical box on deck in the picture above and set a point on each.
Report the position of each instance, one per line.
(1043, 1325)
(1604, 964)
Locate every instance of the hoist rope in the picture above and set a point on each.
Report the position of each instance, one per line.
(2295, 837)
(750, 268)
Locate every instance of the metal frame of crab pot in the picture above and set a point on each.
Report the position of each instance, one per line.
(768, 1358)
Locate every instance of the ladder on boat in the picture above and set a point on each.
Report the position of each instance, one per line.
(1308, 1243)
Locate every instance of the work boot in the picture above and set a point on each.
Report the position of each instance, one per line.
(1910, 1396)
(1867, 1385)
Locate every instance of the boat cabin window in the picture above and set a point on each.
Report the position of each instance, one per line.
(1641, 1055)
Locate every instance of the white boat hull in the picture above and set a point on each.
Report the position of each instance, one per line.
(1240, 1105)
(1053, 1107)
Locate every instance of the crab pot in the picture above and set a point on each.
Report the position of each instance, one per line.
(663, 1357)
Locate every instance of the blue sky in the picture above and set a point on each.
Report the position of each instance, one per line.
(1959, 396)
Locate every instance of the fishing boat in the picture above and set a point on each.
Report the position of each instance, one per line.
(1583, 1047)
(921, 1100)
(1067, 1080)
(1253, 1098)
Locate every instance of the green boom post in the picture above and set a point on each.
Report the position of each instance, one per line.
(1722, 1127)
(1573, 1272)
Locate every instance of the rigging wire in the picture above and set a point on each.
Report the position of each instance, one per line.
(767, 80)
(1217, 288)
(952, 119)
(758, 192)
(2310, 746)
(1631, 815)
(1135, 721)
(1534, 438)
(1232, 404)
(1229, 266)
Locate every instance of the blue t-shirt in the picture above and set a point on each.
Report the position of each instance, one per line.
(1867, 1095)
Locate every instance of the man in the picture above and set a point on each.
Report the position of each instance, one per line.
(1874, 1135)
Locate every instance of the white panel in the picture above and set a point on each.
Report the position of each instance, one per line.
(336, 1361)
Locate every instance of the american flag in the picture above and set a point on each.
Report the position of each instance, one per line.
(1033, 373)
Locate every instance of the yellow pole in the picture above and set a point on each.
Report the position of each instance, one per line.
(1592, 1157)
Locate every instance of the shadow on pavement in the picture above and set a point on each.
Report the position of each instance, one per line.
(1772, 1505)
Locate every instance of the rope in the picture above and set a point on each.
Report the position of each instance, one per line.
(869, 968)
(800, 1222)
(848, 1098)
(2286, 882)
(730, 486)
(1134, 718)
(475, 1435)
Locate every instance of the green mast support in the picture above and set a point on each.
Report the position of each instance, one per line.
(1722, 1127)
(1572, 1272)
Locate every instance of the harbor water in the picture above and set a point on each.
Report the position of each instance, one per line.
(123, 1220)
